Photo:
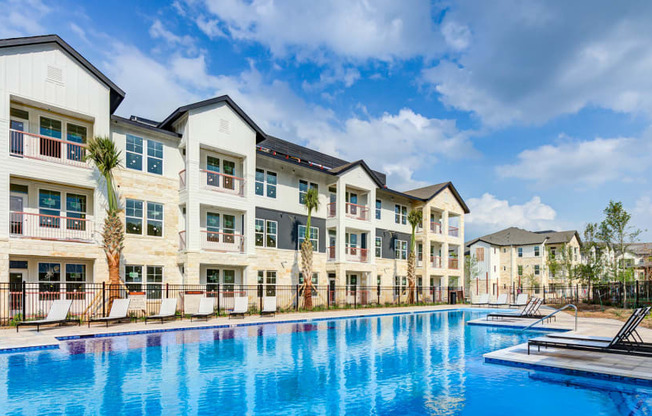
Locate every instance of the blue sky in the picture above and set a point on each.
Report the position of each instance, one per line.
(538, 112)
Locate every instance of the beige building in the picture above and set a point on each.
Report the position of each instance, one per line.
(515, 257)
(207, 197)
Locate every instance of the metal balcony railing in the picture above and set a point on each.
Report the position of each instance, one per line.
(50, 149)
(50, 227)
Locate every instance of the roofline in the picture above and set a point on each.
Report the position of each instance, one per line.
(117, 94)
(366, 167)
(176, 114)
(457, 195)
(138, 125)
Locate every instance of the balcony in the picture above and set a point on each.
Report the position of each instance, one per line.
(435, 261)
(453, 263)
(221, 182)
(50, 227)
(331, 253)
(219, 241)
(50, 149)
(435, 227)
(182, 180)
(182, 240)
(357, 212)
(453, 231)
(355, 254)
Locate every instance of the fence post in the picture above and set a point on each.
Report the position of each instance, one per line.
(296, 307)
(544, 294)
(167, 290)
(260, 297)
(218, 299)
(399, 295)
(416, 288)
(378, 294)
(355, 298)
(24, 301)
(636, 304)
(103, 299)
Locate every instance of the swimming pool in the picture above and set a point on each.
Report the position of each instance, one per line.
(404, 364)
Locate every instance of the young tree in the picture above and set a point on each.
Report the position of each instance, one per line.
(106, 157)
(471, 270)
(590, 270)
(311, 202)
(552, 263)
(618, 234)
(414, 218)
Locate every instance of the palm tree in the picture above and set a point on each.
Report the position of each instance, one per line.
(415, 217)
(311, 202)
(106, 157)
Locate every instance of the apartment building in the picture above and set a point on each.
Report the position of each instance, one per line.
(207, 197)
(514, 256)
(637, 257)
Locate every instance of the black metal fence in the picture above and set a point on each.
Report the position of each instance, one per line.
(26, 301)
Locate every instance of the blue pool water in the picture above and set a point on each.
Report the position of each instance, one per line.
(405, 364)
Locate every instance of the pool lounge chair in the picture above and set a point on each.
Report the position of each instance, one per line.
(240, 307)
(206, 309)
(521, 300)
(168, 311)
(530, 311)
(269, 306)
(482, 300)
(57, 315)
(118, 313)
(501, 301)
(627, 340)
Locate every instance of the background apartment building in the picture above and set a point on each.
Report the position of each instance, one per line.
(517, 257)
(207, 196)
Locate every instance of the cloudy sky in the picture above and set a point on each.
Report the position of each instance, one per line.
(539, 112)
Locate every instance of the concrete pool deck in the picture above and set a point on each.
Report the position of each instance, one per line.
(618, 367)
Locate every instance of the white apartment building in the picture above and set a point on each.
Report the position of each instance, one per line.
(207, 197)
(517, 257)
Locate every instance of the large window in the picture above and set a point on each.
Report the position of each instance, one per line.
(49, 203)
(400, 214)
(134, 278)
(75, 278)
(520, 270)
(50, 128)
(379, 247)
(537, 270)
(154, 282)
(75, 134)
(379, 205)
(154, 219)
(212, 279)
(134, 218)
(266, 233)
(401, 249)
(536, 251)
(303, 189)
(229, 282)
(49, 278)
(520, 251)
(134, 154)
(76, 208)
(266, 183)
(267, 282)
(314, 236)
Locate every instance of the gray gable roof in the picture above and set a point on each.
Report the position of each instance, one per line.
(514, 236)
(116, 96)
(428, 192)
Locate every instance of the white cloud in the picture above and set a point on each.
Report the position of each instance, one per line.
(22, 18)
(587, 163)
(528, 62)
(490, 214)
(383, 29)
(159, 31)
(642, 216)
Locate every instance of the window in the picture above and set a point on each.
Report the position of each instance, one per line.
(75, 134)
(266, 233)
(50, 128)
(154, 157)
(265, 183)
(212, 279)
(479, 254)
(134, 278)
(75, 278)
(379, 206)
(379, 247)
(520, 270)
(134, 152)
(400, 214)
(49, 203)
(504, 250)
(134, 216)
(520, 251)
(400, 283)
(401, 249)
(154, 219)
(504, 268)
(536, 251)
(229, 282)
(536, 270)
(76, 208)
(49, 278)
(154, 282)
(303, 188)
(553, 252)
(267, 282)
(314, 236)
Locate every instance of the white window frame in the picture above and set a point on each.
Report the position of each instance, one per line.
(265, 232)
(400, 248)
(160, 159)
(400, 217)
(309, 185)
(265, 183)
(144, 218)
(301, 236)
(379, 209)
(378, 247)
(135, 152)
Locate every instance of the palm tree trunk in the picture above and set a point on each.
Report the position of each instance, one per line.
(411, 277)
(306, 270)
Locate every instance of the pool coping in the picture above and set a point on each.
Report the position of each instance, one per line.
(511, 326)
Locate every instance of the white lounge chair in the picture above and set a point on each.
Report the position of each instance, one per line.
(501, 301)
(521, 300)
(206, 309)
(482, 300)
(240, 306)
(168, 310)
(269, 306)
(118, 313)
(57, 315)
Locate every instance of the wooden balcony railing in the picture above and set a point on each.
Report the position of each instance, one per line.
(356, 254)
(222, 182)
(36, 146)
(220, 241)
(50, 227)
